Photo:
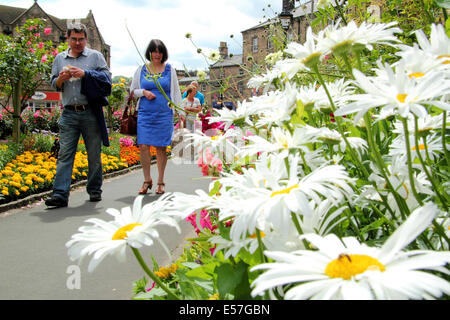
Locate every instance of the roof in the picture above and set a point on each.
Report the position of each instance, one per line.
(300, 11)
(234, 60)
(190, 79)
(9, 14)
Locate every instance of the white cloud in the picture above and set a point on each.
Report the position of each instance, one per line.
(209, 22)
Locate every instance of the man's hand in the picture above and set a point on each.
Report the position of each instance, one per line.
(76, 72)
(149, 95)
(63, 77)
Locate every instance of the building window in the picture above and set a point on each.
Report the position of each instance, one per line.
(255, 44)
(241, 88)
(269, 44)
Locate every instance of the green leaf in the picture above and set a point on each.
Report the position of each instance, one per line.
(139, 285)
(154, 294)
(447, 27)
(233, 279)
(205, 271)
(443, 3)
(215, 189)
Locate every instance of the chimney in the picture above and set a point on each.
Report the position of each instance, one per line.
(288, 5)
(223, 50)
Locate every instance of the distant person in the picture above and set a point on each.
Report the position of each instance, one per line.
(192, 105)
(155, 115)
(198, 94)
(83, 76)
(219, 104)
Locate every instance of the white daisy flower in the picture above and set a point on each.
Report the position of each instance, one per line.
(438, 45)
(258, 81)
(338, 90)
(398, 176)
(433, 147)
(426, 124)
(277, 197)
(400, 94)
(134, 227)
(224, 146)
(419, 63)
(349, 269)
(280, 141)
(305, 54)
(238, 117)
(276, 106)
(338, 38)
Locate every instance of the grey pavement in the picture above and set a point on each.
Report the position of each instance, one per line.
(34, 264)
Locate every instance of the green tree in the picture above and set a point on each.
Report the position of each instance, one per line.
(25, 64)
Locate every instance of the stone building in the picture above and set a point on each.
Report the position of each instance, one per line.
(12, 17)
(234, 71)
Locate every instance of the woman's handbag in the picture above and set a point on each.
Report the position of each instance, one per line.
(128, 123)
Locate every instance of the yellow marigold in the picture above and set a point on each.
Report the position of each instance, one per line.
(5, 192)
(24, 188)
(215, 296)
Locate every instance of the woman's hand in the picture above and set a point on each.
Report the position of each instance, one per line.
(149, 95)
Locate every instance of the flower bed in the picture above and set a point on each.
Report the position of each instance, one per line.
(32, 172)
(333, 184)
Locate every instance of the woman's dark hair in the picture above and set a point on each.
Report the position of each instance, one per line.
(155, 45)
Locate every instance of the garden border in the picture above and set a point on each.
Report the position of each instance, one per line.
(35, 197)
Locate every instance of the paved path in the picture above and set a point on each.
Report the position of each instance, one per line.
(33, 257)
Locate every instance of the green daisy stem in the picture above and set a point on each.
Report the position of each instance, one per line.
(339, 125)
(299, 228)
(409, 161)
(382, 167)
(422, 162)
(154, 277)
(261, 246)
(444, 128)
(347, 63)
(341, 13)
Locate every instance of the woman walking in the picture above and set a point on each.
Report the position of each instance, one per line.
(154, 83)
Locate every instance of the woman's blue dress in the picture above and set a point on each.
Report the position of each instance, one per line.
(155, 118)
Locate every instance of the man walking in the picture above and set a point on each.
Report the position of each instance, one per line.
(78, 72)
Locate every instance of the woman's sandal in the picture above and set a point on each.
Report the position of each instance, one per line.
(160, 184)
(145, 186)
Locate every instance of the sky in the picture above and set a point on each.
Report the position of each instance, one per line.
(209, 22)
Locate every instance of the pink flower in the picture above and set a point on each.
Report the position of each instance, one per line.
(28, 43)
(32, 50)
(55, 52)
(37, 35)
(47, 31)
(44, 58)
(40, 45)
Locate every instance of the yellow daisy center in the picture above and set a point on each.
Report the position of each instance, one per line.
(121, 233)
(401, 97)
(347, 266)
(445, 56)
(421, 147)
(416, 75)
(284, 191)
(254, 236)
